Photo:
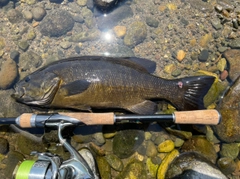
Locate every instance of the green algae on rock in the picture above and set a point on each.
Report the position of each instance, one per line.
(104, 167)
(202, 145)
(126, 142)
(134, 169)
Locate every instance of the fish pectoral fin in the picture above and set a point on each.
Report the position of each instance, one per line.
(75, 87)
(145, 107)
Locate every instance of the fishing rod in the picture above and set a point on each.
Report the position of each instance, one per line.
(81, 164)
(29, 120)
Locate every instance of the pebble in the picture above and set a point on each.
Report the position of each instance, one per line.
(181, 55)
(31, 35)
(216, 23)
(178, 142)
(152, 22)
(203, 56)
(25, 64)
(14, 55)
(23, 44)
(169, 68)
(230, 150)
(77, 49)
(180, 133)
(221, 64)
(136, 33)
(82, 2)
(120, 31)
(176, 72)
(235, 43)
(2, 43)
(166, 146)
(104, 167)
(115, 162)
(205, 40)
(14, 16)
(151, 168)
(151, 149)
(28, 16)
(38, 13)
(8, 73)
(224, 75)
(65, 45)
(54, 25)
(226, 165)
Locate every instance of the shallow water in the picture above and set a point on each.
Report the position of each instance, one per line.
(181, 36)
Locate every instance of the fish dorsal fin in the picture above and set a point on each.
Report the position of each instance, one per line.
(75, 87)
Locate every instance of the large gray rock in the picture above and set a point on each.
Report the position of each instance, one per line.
(56, 23)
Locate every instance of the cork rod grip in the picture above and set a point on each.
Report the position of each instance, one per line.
(207, 117)
(25, 120)
(92, 118)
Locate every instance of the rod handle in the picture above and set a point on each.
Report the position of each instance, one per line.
(92, 118)
(206, 117)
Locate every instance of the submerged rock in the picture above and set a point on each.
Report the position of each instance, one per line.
(229, 128)
(136, 33)
(233, 58)
(202, 145)
(54, 25)
(126, 142)
(193, 165)
(134, 169)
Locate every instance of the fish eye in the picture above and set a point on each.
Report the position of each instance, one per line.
(27, 79)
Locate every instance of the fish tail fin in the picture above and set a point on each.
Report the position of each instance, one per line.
(191, 91)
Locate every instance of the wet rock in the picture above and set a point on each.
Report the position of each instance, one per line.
(221, 64)
(230, 150)
(6, 101)
(38, 13)
(226, 165)
(204, 40)
(151, 149)
(82, 2)
(65, 45)
(104, 167)
(90, 35)
(136, 33)
(54, 25)
(2, 43)
(216, 23)
(166, 146)
(114, 162)
(8, 73)
(98, 138)
(31, 34)
(109, 131)
(180, 133)
(120, 31)
(205, 6)
(14, 16)
(151, 21)
(233, 58)
(134, 169)
(235, 43)
(4, 146)
(14, 55)
(31, 2)
(193, 165)
(3, 2)
(88, 17)
(112, 19)
(176, 72)
(202, 145)
(178, 142)
(29, 60)
(151, 168)
(28, 16)
(26, 146)
(13, 158)
(203, 56)
(229, 128)
(23, 44)
(126, 142)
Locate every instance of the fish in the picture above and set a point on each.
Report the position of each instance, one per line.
(96, 82)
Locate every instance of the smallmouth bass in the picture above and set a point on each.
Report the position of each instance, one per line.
(89, 82)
